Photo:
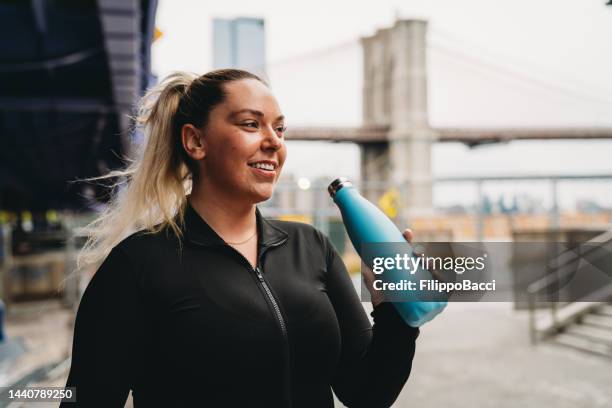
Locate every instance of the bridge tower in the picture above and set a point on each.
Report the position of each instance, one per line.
(395, 96)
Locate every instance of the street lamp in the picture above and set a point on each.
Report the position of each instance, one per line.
(304, 183)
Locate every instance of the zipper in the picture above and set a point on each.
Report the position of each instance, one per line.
(283, 328)
(277, 313)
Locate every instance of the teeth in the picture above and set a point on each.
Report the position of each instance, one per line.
(265, 166)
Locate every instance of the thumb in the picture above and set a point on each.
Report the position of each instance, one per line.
(408, 235)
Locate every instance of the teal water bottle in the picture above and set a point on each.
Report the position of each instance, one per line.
(366, 224)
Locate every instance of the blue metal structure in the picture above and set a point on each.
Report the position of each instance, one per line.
(70, 72)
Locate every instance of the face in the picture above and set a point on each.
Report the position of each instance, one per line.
(242, 145)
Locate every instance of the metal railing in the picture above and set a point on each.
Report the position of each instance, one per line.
(559, 269)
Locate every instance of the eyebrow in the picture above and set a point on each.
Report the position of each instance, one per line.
(254, 112)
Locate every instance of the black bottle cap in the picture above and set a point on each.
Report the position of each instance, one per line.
(337, 184)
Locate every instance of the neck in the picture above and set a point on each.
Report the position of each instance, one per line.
(233, 220)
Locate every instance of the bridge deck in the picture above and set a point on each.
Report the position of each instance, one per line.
(376, 134)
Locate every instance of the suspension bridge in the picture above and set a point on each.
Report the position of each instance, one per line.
(395, 136)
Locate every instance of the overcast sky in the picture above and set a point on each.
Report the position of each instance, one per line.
(490, 63)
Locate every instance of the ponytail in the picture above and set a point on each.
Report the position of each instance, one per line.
(152, 188)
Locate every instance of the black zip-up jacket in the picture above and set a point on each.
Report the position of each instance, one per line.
(202, 328)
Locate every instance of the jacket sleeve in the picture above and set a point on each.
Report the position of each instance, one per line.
(105, 334)
(375, 362)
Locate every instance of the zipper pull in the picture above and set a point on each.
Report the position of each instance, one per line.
(259, 275)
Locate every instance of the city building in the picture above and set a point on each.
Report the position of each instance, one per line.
(240, 43)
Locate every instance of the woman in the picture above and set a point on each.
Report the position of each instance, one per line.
(208, 304)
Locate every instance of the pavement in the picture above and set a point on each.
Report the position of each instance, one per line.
(36, 348)
(472, 355)
(479, 355)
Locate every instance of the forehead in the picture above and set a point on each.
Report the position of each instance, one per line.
(250, 94)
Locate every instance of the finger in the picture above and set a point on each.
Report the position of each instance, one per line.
(408, 235)
(368, 279)
(367, 274)
(418, 248)
(437, 275)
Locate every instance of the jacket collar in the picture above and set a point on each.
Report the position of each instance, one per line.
(197, 230)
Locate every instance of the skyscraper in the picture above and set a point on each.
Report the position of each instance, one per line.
(240, 43)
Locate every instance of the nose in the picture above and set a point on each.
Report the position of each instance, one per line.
(272, 140)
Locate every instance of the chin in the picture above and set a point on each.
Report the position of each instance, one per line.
(263, 195)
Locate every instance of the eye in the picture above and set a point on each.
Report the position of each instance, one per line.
(281, 129)
(253, 125)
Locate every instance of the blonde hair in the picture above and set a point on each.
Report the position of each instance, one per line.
(152, 189)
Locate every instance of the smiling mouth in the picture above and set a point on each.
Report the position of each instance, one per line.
(263, 166)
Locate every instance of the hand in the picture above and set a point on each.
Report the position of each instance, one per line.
(369, 277)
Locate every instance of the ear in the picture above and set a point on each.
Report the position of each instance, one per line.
(193, 141)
